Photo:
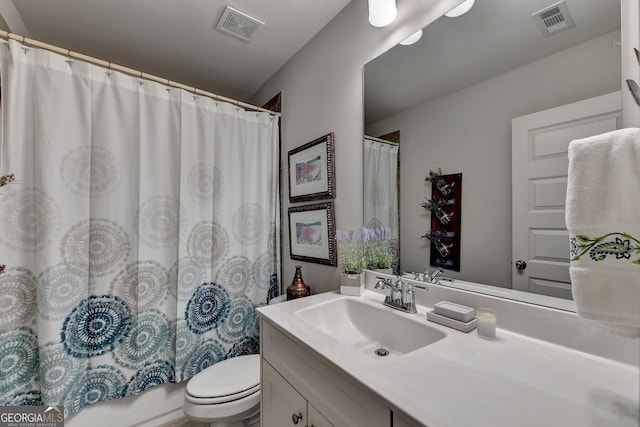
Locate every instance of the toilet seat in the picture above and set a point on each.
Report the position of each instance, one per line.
(226, 381)
(228, 391)
(222, 399)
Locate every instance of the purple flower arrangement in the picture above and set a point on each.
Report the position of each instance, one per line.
(378, 248)
(351, 258)
(372, 249)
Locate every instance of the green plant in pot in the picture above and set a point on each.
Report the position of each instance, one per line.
(378, 248)
(351, 257)
(351, 261)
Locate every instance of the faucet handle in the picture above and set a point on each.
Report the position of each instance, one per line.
(416, 276)
(424, 276)
(409, 298)
(399, 284)
(409, 287)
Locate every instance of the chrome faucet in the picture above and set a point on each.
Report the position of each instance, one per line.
(401, 296)
(394, 296)
(434, 278)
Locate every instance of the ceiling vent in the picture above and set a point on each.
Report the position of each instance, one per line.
(553, 19)
(238, 24)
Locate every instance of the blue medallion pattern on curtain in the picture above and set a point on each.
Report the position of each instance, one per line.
(141, 233)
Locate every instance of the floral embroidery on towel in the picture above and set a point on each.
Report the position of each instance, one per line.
(599, 248)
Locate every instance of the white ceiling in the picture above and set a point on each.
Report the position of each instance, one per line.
(494, 37)
(176, 39)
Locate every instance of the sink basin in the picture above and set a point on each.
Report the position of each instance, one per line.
(366, 327)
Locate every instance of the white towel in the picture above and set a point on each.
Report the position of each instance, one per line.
(603, 219)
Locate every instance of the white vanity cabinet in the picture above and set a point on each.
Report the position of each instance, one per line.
(399, 421)
(283, 405)
(298, 386)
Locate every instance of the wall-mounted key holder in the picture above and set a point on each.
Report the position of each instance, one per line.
(445, 207)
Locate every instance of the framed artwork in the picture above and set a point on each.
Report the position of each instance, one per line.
(311, 171)
(311, 233)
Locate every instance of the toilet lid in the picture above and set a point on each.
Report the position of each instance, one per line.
(229, 377)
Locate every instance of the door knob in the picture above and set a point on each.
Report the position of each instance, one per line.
(295, 418)
(520, 265)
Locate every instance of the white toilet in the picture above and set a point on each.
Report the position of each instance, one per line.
(227, 394)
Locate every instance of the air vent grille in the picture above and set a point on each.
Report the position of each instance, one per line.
(238, 24)
(553, 19)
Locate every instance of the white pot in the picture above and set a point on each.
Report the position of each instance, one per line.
(351, 284)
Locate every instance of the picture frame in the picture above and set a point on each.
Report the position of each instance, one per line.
(311, 233)
(312, 170)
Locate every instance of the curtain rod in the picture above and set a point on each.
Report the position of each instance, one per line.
(131, 71)
(384, 141)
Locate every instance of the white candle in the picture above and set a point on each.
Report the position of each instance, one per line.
(486, 322)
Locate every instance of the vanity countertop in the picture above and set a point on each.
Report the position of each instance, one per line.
(464, 380)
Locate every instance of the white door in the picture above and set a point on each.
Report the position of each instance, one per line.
(540, 246)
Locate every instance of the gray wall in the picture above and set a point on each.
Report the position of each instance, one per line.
(322, 92)
(322, 89)
(470, 132)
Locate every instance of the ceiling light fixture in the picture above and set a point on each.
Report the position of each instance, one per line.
(382, 12)
(461, 9)
(413, 38)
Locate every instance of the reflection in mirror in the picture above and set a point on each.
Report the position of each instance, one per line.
(453, 96)
(381, 190)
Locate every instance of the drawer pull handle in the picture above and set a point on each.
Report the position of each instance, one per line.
(296, 417)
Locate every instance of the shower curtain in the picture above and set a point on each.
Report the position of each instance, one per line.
(381, 191)
(140, 234)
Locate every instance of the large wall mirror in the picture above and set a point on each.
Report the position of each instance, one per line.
(452, 97)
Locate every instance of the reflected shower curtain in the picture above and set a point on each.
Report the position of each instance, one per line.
(140, 234)
(381, 191)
